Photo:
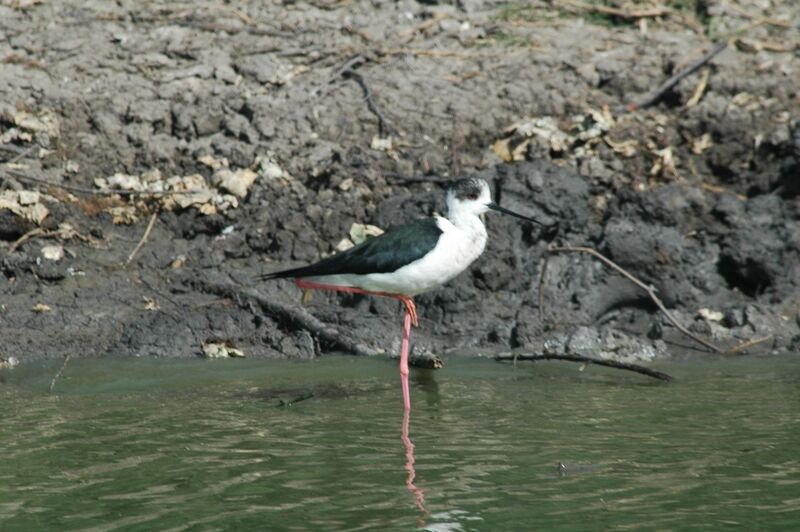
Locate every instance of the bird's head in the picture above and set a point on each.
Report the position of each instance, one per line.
(471, 197)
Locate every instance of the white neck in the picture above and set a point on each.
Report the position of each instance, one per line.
(469, 222)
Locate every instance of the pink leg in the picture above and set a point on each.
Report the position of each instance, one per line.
(406, 300)
(404, 348)
(409, 318)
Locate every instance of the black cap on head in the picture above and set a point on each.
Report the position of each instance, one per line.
(467, 189)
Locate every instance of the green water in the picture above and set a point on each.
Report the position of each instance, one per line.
(205, 445)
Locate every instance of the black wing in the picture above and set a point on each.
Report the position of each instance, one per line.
(388, 252)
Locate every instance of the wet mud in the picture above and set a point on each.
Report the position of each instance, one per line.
(359, 114)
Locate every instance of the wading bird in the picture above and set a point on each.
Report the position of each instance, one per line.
(409, 259)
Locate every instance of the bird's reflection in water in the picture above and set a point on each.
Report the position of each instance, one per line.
(425, 380)
(418, 493)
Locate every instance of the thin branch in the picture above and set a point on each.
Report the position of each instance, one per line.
(59, 373)
(348, 71)
(144, 237)
(620, 13)
(761, 20)
(383, 123)
(747, 345)
(542, 274)
(22, 154)
(588, 360)
(91, 191)
(349, 65)
(416, 178)
(214, 27)
(662, 89)
(647, 288)
(38, 231)
(700, 89)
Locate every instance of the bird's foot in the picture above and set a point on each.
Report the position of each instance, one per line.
(411, 309)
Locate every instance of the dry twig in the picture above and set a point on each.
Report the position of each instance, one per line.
(96, 192)
(422, 26)
(588, 360)
(416, 178)
(22, 154)
(348, 71)
(38, 231)
(759, 19)
(658, 93)
(383, 122)
(647, 288)
(58, 374)
(620, 13)
(747, 345)
(700, 89)
(144, 237)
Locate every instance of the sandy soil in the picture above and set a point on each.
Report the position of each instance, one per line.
(350, 112)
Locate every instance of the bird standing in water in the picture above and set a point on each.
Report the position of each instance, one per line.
(409, 259)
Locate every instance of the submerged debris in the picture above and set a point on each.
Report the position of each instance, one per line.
(217, 349)
(8, 362)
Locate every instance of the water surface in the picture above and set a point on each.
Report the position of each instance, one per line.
(148, 444)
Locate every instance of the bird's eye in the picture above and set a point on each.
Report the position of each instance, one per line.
(472, 196)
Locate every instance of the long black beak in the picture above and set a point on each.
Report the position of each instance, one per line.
(498, 208)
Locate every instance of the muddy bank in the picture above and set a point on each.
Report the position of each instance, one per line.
(348, 115)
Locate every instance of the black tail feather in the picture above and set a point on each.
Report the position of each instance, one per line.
(284, 274)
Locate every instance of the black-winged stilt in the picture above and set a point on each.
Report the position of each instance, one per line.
(409, 259)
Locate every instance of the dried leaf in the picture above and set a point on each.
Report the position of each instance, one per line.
(236, 182)
(543, 131)
(361, 232)
(701, 144)
(53, 252)
(346, 184)
(212, 162)
(343, 245)
(710, 315)
(664, 164)
(221, 350)
(125, 215)
(28, 197)
(501, 148)
(25, 204)
(41, 308)
(269, 169)
(625, 148)
(385, 144)
(37, 213)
